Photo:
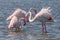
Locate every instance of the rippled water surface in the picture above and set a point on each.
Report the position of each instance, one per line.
(32, 31)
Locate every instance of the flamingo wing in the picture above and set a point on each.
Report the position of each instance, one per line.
(18, 12)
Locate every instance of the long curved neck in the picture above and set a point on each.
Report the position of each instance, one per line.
(31, 19)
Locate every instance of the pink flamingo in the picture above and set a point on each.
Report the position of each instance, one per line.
(43, 16)
(15, 23)
(16, 16)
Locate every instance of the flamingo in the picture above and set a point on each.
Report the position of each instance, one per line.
(15, 23)
(16, 16)
(42, 16)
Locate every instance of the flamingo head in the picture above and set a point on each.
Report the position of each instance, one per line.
(25, 20)
(33, 10)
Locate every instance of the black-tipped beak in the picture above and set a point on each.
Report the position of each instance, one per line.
(24, 24)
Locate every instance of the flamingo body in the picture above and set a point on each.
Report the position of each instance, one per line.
(14, 22)
(16, 16)
(18, 12)
(43, 16)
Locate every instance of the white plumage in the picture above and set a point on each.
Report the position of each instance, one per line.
(43, 16)
(17, 15)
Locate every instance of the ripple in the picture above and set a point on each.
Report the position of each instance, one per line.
(32, 31)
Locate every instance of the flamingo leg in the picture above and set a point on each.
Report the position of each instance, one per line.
(42, 28)
(45, 28)
(20, 25)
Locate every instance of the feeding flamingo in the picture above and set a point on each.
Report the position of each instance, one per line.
(43, 16)
(16, 16)
(15, 23)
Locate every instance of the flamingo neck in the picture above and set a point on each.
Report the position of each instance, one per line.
(31, 19)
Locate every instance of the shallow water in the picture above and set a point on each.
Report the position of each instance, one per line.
(32, 31)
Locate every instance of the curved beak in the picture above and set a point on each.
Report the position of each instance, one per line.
(25, 20)
(24, 24)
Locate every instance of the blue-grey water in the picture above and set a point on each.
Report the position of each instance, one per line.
(32, 31)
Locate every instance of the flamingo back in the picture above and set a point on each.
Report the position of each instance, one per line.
(13, 21)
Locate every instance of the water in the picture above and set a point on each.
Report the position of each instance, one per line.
(32, 31)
